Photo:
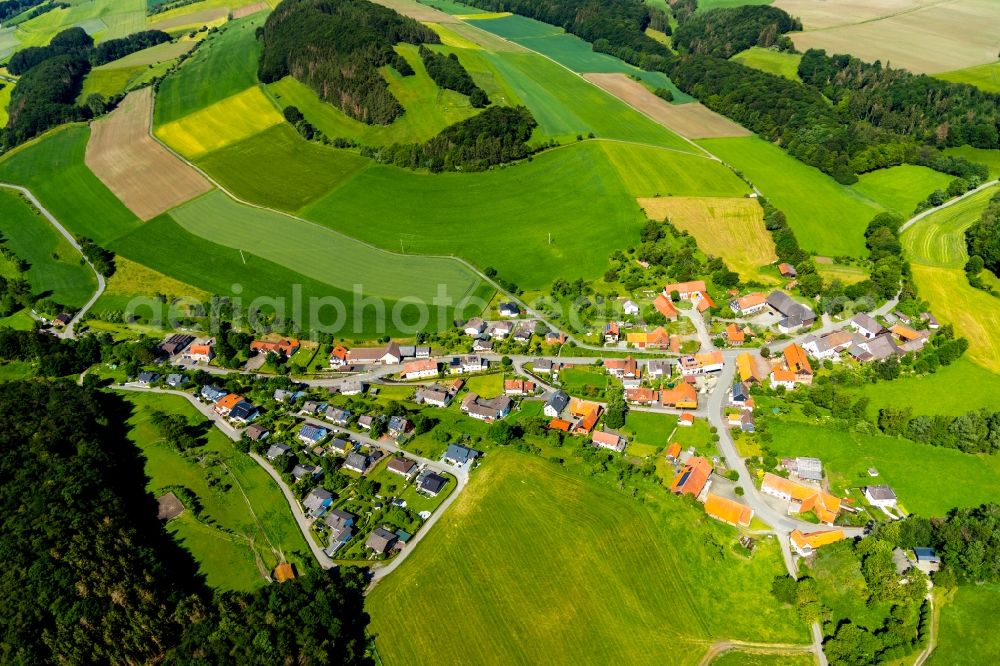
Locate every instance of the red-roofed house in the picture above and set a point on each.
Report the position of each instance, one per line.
(419, 369)
(608, 440)
(518, 387)
(734, 335)
(665, 307)
(693, 477)
(338, 356)
(287, 347)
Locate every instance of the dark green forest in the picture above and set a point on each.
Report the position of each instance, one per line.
(91, 576)
(447, 72)
(336, 47)
(982, 240)
(723, 33)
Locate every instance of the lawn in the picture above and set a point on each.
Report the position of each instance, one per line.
(586, 381)
(565, 104)
(235, 530)
(418, 502)
(307, 248)
(538, 590)
(647, 432)
(289, 172)
(939, 238)
(52, 167)
(915, 471)
(224, 64)
(569, 50)
(56, 269)
(935, 393)
(221, 124)
(561, 215)
(966, 635)
(985, 77)
(901, 188)
(647, 171)
(429, 109)
(166, 247)
(487, 386)
(828, 218)
(732, 229)
(846, 273)
(771, 61)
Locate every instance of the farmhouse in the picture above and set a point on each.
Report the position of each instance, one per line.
(339, 356)
(518, 387)
(283, 346)
(622, 368)
(749, 304)
(878, 348)
(402, 466)
(932, 322)
(748, 367)
(809, 469)
(794, 315)
(631, 308)
(586, 415)
(201, 351)
(693, 477)
(556, 403)
(701, 363)
(880, 496)
(420, 369)
(317, 501)
(642, 396)
(682, 396)
(865, 326)
(787, 270)
(499, 330)
(62, 319)
(910, 340)
(608, 440)
(665, 307)
(806, 544)
(794, 370)
(728, 511)
(689, 291)
(387, 355)
(655, 339)
(459, 365)
(486, 410)
(802, 498)
(380, 541)
(829, 345)
(735, 336)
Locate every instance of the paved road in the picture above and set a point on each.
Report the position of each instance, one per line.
(67, 332)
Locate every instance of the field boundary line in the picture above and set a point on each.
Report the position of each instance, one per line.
(101, 284)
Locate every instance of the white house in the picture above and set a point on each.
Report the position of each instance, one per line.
(500, 330)
(866, 326)
(420, 369)
(630, 307)
(880, 496)
(555, 405)
(474, 326)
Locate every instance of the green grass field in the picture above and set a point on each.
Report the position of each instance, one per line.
(648, 432)
(308, 248)
(991, 158)
(901, 188)
(52, 168)
(103, 19)
(119, 75)
(5, 94)
(647, 171)
(716, 4)
(460, 214)
(570, 51)
(450, 7)
(828, 218)
(915, 471)
(429, 109)
(939, 238)
(936, 393)
(223, 65)
(779, 63)
(291, 173)
(966, 635)
(738, 658)
(540, 589)
(56, 267)
(985, 77)
(227, 549)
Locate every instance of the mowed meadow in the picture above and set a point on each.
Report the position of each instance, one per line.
(529, 557)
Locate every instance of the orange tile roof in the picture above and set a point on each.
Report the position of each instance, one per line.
(905, 332)
(685, 287)
(284, 572)
(340, 351)
(683, 394)
(420, 365)
(658, 336)
(782, 375)
(709, 358)
(665, 307)
(796, 359)
(608, 438)
(560, 424)
(228, 401)
(751, 300)
(675, 343)
(692, 477)
(578, 407)
(589, 420)
(734, 334)
(674, 450)
(816, 539)
(785, 269)
(203, 350)
(728, 511)
(823, 504)
(287, 346)
(687, 418)
(706, 302)
(641, 394)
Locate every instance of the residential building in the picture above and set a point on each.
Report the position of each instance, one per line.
(809, 469)
(880, 496)
(642, 396)
(300, 471)
(681, 396)
(739, 394)
(175, 344)
(828, 346)
(585, 415)
(500, 330)
(658, 338)
(284, 346)
(399, 426)
(749, 368)
(275, 451)
(518, 387)
(686, 420)
(434, 396)
(420, 369)
(147, 378)
(339, 356)
(806, 544)
(225, 404)
(431, 484)
(728, 511)
(787, 270)
(556, 403)
(686, 290)
(659, 368)
(748, 305)
(735, 335)
(311, 435)
(402, 466)
(459, 455)
(866, 326)
(175, 380)
(243, 412)
(666, 307)
(631, 308)
(802, 497)
(387, 355)
(523, 331)
(673, 452)
(700, 364)
(357, 462)
(481, 346)
(212, 393)
(337, 415)
(339, 446)
(927, 560)
(487, 409)
(608, 440)
(474, 326)
(256, 433)
(611, 332)
(693, 477)
(317, 502)
(352, 387)
(509, 309)
(380, 541)
(414, 351)
(202, 351)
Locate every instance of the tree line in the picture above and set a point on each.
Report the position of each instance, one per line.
(973, 432)
(336, 47)
(90, 575)
(724, 32)
(496, 136)
(982, 240)
(11, 8)
(448, 72)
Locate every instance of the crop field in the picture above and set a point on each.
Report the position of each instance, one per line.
(144, 175)
(103, 19)
(693, 120)
(913, 470)
(166, 247)
(704, 5)
(249, 9)
(420, 11)
(56, 268)
(965, 633)
(901, 188)
(429, 109)
(939, 238)
(991, 158)
(771, 61)
(451, 7)
(984, 77)
(132, 280)
(291, 173)
(485, 74)
(183, 22)
(549, 230)
(569, 50)
(238, 539)
(221, 124)
(896, 31)
(224, 64)
(309, 249)
(729, 228)
(108, 82)
(827, 217)
(53, 168)
(451, 38)
(151, 56)
(935, 393)
(647, 171)
(583, 544)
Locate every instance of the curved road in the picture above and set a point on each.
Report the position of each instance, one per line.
(67, 332)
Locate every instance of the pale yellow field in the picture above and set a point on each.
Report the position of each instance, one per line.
(924, 36)
(452, 38)
(974, 313)
(221, 124)
(846, 274)
(131, 279)
(731, 228)
(417, 11)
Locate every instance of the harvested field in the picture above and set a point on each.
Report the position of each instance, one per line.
(141, 172)
(203, 17)
(417, 11)
(693, 120)
(724, 227)
(221, 124)
(924, 36)
(250, 9)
